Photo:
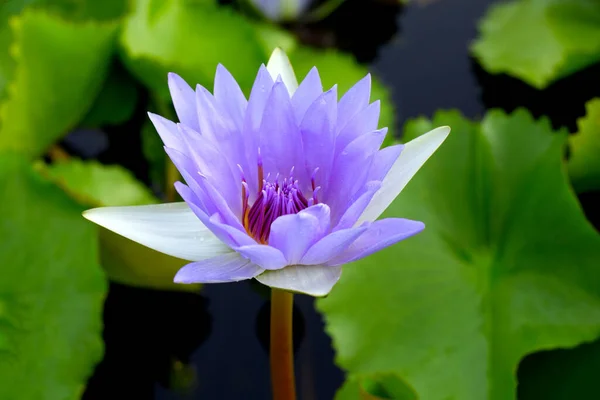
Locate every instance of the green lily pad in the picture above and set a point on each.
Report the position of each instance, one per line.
(584, 161)
(52, 289)
(507, 265)
(190, 38)
(124, 261)
(376, 387)
(59, 70)
(539, 41)
(341, 69)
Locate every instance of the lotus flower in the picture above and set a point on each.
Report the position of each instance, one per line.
(285, 187)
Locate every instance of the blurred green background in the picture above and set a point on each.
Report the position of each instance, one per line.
(498, 299)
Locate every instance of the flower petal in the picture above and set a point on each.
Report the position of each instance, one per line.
(357, 207)
(318, 135)
(308, 91)
(211, 200)
(378, 235)
(170, 228)
(231, 236)
(365, 121)
(314, 280)
(280, 141)
(355, 99)
(168, 132)
(229, 96)
(184, 101)
(279, 65)
(331, 246)
(413, 156)
(293, 234)
(383, 161)
(209, 161)
(229, 267)
(254, 115)
(350, 171)
(265, 256)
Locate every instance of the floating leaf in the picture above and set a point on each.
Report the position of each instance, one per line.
(125, 261)
(190, 38)
(507, 265)
(539, 41)
(59, 70)
(341, 69)
(51, 291)
(376, 387)
(584, 161)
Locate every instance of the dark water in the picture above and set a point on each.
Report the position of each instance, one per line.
(156, 342)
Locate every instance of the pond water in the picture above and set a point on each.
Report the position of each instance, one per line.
(217, 337)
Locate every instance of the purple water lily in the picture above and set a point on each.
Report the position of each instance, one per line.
(284, 187)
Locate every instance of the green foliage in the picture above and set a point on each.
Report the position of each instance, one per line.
(338, 68)
(584, 160)
(95, 185)
(376, 387)
(189, 38)
(59, 69)
(539, 41)
(51, 292)
(116, 102)
(507, 265)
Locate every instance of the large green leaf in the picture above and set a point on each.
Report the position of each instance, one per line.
(59, 69)
(539, 41)
(51, 289)
(190, 38)
(341, 69)
(96, 185)
(584, 161)
(507, 265)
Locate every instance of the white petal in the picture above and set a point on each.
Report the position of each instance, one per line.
(170, 228)
(412, 158)
(314, 280)
(279, 64)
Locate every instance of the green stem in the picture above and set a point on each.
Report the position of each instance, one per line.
(282, 350)
(323, 10)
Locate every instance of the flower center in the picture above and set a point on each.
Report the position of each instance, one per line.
(274, 199)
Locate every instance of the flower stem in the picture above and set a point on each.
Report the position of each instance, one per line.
(282, 350)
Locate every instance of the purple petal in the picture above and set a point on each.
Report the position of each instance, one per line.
(308, 91)
(184, 101)
(229, 96)
(279, 138)
(216, 126)
(331, 246)
(214, 166)
(266, 256)
(383, 161)
(350, 171)
(294, 234)
(254, 115)
(168, 132)
(355, 99)
(214, 223)
(211, 199)
(364, 121)
(318, 135)
(314, 280)
(226, 268)
(379, 235)
(349, 218)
